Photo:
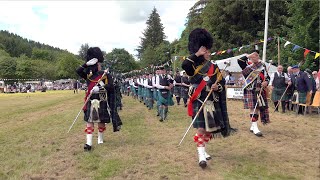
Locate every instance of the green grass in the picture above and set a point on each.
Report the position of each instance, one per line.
(35, 144)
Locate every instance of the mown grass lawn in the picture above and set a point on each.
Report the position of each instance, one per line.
(35, 143)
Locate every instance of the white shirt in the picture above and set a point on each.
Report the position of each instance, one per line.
(287, 79)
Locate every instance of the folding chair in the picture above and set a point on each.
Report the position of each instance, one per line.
(316, 101)
(305, 105)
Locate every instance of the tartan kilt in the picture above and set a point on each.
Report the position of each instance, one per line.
(155, 94)
(177, 91)
(184, 92)
(302, 97)
(139, 91)
(250, 99)
(200, 121)
(277, 93)
(165, 98)
(149, 93)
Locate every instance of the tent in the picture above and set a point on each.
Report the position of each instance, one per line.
(234, 66)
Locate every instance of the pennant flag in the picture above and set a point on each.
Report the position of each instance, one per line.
(229, 50)
(306, 52)
(171, 60)
(287, 43)
(240, 48)
(295, 48)
(234, 49)
(223, 52)
(269, 39)
(261, 40)
(317, 55)
(218, 52)
(247, 46)
(256, 47)
(213, 53)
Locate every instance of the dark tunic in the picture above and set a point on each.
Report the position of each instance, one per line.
(221, 118)
(164, 95)
(279, 84)
(111, 98)
(185, 89)
(177, 88)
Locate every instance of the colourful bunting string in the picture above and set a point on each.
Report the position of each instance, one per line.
(296, 47)
(306, 52)
(287, 43)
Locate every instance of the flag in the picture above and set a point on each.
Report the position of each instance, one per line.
(317, 55)
(306, 52)
(287, 43)
(295, 48)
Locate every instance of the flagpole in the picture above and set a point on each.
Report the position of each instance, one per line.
(265, 31)
(278, 50)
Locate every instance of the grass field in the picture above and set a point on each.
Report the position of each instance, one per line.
(35, 144)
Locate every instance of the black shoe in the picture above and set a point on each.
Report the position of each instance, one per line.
(203, 164)
(259, 134)
(185, 105)
(161, 120)
(87, 147)
(158, 114)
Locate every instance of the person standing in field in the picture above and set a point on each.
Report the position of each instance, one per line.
(101, 105)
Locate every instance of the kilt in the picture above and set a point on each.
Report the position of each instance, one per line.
(148, 93)
(139, 91)
(165, 98)
(277, 93)
(155, 94)
(200, 121)
(177, 91)
(302, 97)
(103, 113)
(250, 99)
(184, 92)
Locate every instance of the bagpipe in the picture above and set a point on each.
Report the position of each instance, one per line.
(204, 103)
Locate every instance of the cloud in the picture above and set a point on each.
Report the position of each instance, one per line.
(107, 24)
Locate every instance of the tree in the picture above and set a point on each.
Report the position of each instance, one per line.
(67, 65)
(153, 35)
(304, 32)
(120, 60)
(8, 66)
(83, 51)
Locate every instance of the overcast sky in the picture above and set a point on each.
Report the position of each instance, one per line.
(107, 24)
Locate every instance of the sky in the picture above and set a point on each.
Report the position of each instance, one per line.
(106, 24)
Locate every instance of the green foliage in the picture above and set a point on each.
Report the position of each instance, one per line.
(8, 66)
(153, 35)
(67, 65)
(304, 31)
(120, 60)
(43, 54)
(83, 51)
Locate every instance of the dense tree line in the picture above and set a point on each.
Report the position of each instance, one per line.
(236, 23)
(27, 59)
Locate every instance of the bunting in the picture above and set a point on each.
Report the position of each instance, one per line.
(296, 47)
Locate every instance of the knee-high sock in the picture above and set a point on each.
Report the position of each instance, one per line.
(200, 141)
(100, 134)
(89, 130)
